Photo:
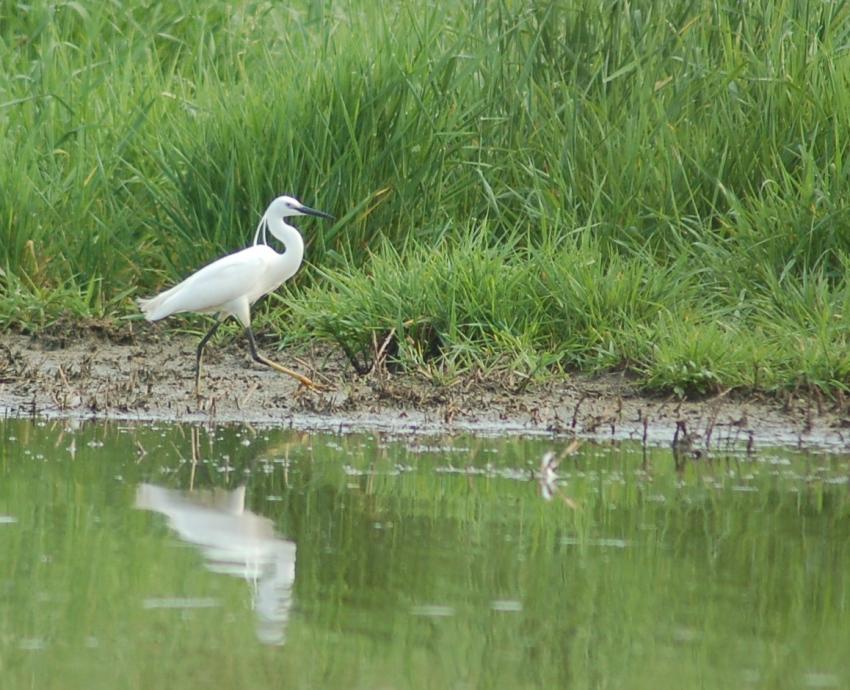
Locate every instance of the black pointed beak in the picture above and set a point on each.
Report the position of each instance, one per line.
(307, 211)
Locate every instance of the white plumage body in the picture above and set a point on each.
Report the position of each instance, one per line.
(230, 285)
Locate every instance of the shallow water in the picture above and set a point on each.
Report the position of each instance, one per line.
(187, 557)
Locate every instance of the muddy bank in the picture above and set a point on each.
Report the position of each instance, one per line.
(150, 377)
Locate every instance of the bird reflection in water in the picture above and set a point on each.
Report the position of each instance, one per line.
(234, 541)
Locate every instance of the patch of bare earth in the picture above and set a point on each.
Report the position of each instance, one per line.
(149, 376)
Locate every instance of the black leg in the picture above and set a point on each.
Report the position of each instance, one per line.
(253, 345)
(200, 354)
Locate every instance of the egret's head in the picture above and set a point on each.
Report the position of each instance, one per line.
(283, 207)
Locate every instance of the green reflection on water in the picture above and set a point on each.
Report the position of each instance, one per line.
(357, 562)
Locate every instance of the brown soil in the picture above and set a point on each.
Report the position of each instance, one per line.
(149, 376)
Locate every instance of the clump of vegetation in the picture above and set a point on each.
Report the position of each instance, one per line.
(563, 186)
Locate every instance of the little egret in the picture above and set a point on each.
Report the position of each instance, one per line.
(229, 286)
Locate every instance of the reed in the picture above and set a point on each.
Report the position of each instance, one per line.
(574, 185)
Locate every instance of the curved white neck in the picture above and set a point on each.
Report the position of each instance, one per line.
(289, 237)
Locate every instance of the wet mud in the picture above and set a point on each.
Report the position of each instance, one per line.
(149, 377)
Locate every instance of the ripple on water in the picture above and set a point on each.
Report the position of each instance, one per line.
(603, 543)
(506, 605)
(816, 679)
(32, 644)
(433, 611)
(181, 603)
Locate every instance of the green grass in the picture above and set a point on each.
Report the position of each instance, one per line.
(573, 185)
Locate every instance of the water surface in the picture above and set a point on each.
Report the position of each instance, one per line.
(190, 557)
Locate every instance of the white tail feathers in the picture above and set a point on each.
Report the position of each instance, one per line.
(155, 308)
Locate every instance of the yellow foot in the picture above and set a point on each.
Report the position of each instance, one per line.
(305, 384)
(303, 380)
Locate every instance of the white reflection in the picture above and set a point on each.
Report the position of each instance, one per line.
(235, 542)
(547, 477)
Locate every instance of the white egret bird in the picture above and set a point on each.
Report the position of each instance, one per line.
(229, 286)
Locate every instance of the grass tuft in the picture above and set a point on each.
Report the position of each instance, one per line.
(562, 186)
